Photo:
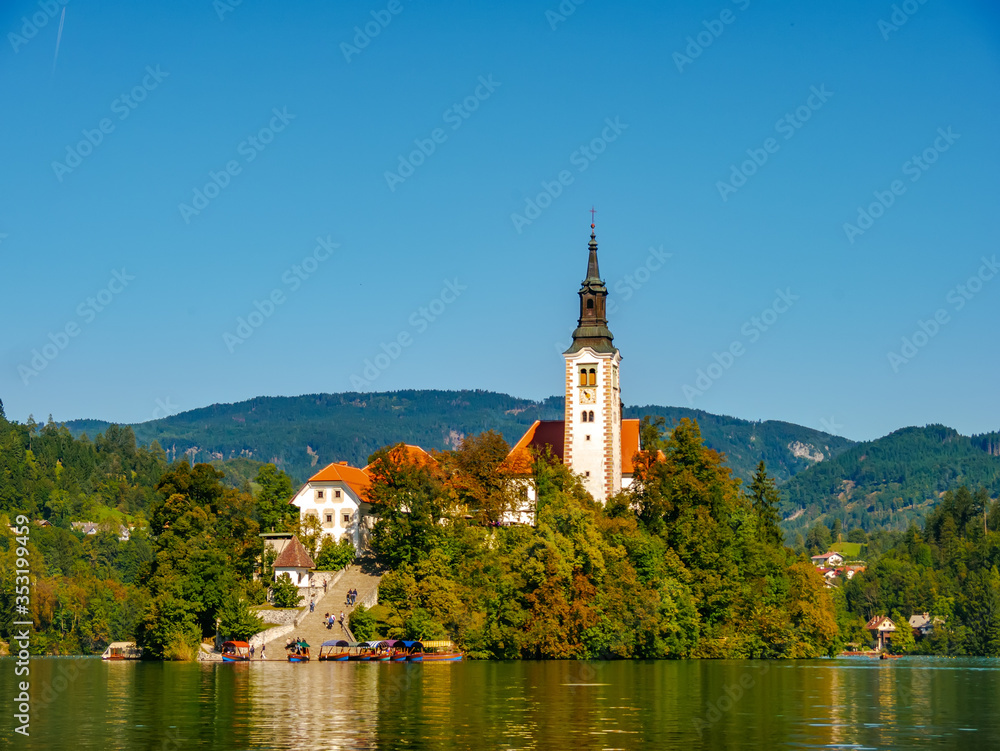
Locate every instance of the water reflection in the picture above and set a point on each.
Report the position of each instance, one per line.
(910, 703)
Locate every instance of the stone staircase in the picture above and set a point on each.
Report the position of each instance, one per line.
(314, 630)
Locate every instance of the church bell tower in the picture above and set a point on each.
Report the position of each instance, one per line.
(593, 423)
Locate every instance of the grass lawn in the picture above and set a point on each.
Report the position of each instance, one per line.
(848, 549)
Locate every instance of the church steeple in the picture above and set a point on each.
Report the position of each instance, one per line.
(592, 328)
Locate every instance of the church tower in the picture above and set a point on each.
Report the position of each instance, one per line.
(593, 423)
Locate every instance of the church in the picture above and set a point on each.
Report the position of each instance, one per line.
(592, 439)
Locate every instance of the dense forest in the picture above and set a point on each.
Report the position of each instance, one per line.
(695, 574)
(174, 548)
(891, 482)
(301, 433)
(690, 562)
(686, 564)
(948, 569)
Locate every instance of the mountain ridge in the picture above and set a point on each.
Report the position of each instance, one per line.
(299, 433)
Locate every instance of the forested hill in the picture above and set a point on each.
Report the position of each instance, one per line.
(302, 433)
(892, 480)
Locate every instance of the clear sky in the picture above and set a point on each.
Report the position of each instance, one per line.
(343, 176)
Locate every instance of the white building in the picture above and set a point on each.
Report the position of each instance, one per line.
(337, 497)
(592, 438)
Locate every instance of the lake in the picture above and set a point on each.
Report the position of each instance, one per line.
(82, 703)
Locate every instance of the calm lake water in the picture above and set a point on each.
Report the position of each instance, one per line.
(916, 702)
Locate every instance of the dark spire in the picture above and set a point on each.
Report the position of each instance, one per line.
(592, 271)
(592, 328)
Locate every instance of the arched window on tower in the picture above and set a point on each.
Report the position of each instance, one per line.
(590, 416)
(593, 377)
(590, 304)
(583, 416)
(583, 376)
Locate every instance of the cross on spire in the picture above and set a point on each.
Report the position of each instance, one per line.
(592, 212)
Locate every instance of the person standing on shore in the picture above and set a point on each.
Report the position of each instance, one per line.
(262, 648)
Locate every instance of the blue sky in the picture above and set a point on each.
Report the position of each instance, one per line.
(427, 188)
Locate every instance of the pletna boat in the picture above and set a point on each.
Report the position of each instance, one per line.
(336, 650)
(298, 651)
(438, 651)
(235, 651)
(360, 651)
(407, 651)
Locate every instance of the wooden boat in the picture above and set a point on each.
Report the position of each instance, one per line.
(437, 651)
(361, 651)
(337, 650)
(887, 656)
(403, 651)
(235, 651)
(298, 651)
(122, 650)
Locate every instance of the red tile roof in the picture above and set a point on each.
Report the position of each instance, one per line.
(552, 433)
(356, 479)
(294, 556)
(880, 623)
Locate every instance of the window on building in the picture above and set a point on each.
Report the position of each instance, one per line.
(319, 495)
(336, 494)
(583, 376)
(583, 416)
(329, 518)
(586, 474)
(590, 304)
(592, 381)
(590, 416)
(347, 518)
(588, 437)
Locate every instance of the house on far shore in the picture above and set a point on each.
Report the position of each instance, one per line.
(295, 561)
(923, 625)
(882, 628)
(92, 528)
(827, 559)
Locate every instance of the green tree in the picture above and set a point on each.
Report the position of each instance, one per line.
(765, 499)
(903, 641)
(284, 593)
(238, 620)
(334, 556)
(273, 510)
(409, 500)
(362, 623)
(818, 539)
(482, 482)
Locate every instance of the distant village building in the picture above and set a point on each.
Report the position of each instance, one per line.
(827, 559)
(92, 528)
(882, 629)
(295, 561)
(923, 625)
